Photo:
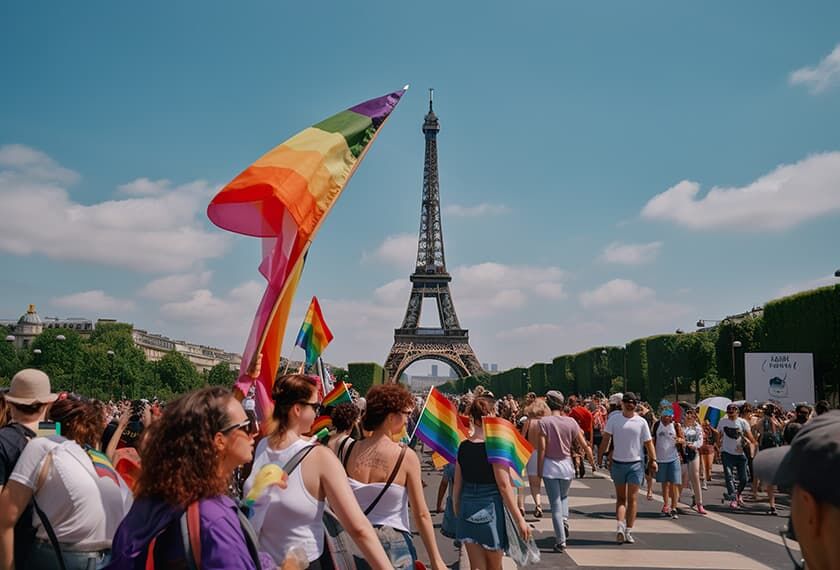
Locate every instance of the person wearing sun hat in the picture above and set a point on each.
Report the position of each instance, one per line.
(808, 468)
(28, 397)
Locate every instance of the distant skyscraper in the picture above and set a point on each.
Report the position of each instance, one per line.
(434, 370)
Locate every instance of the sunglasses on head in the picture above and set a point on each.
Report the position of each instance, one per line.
(247, 427)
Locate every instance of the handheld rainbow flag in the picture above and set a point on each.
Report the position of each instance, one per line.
(284, 197)
(314, 334)
(439, 426)
(338, 395)
(102, 465)
(320, 423)
(505, 444)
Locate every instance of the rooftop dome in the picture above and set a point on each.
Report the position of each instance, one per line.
(31, 317)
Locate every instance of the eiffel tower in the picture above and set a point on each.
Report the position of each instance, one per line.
(448, 343)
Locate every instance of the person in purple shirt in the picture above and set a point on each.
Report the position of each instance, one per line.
(188, 456)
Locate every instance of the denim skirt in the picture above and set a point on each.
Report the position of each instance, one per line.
(481, 518)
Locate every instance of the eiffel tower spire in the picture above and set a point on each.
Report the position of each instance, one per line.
(448, 342)
(430, 256)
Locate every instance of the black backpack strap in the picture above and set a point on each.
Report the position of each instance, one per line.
(251, 539)
(342, 445)
(51, 534)
(347, 455)
(391, 478)
(295, 460)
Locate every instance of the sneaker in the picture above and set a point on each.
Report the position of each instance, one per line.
(621, 533)
(701, 510)
(773, 512)
(733, 505)
(674, 514)
(559, 548)
(705, 486)
(628, 537)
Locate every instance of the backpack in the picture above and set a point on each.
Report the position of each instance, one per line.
(769, 436)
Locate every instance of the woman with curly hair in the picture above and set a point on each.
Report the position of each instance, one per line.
(294, 517)
(188, 456)
(82, 507)
(344, 418)
(385, 478)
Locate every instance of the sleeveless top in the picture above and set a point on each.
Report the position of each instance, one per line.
(286, 517)
(392, 508)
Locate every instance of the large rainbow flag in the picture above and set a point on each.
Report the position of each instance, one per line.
(314, 334)
(284, 198)
(439, 428)
(505, 444)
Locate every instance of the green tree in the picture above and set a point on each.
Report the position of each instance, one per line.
(11, 359)
(60, 359)
(221, 375)
(177, 374)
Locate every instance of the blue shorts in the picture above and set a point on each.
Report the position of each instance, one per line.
(669, 472)
(630, 472)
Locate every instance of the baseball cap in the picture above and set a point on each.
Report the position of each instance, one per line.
(616, 398)
(629, 396)
(555, 397)
(30, 386)
(668, 412)
(812, 460)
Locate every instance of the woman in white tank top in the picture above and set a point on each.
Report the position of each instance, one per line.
(289, 517)
(371, 462)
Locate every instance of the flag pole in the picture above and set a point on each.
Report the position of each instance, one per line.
(426, 403)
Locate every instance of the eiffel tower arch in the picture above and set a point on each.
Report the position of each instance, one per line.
(448, 343)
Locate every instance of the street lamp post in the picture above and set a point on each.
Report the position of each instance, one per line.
(735, 344)
(110, 354)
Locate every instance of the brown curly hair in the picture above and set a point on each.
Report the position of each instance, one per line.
(179, 460)
(289, 390)
(383, 400)
(344, 416)
(81, 420)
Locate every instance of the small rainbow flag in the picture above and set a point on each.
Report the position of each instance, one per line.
(713, 414)
(102, 465)
(505, 444)
(439, 427)
(338, 395)
(314, 335)
(320, 423)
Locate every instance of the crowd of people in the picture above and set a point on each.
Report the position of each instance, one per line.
(198, 483)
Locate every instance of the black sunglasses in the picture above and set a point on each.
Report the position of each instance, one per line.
(316, 406)
(246, 427)
(629, 402)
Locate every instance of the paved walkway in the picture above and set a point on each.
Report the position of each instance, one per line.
(744, 540)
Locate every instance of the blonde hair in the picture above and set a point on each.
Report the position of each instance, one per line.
(537, 409)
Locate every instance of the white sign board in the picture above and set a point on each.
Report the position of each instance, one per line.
(783, 377)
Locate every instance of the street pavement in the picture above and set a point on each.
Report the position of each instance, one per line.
(724, 539)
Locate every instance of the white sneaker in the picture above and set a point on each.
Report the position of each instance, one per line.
(628, 536)
(705, 486)
(621, 533)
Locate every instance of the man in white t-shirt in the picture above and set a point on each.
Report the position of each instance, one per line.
(733, 431)
(630, 433)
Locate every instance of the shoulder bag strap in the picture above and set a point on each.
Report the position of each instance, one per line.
(295, 460)
(42, 475)
(347, 455)
(342, 445)
(251, 539)
(391, 478)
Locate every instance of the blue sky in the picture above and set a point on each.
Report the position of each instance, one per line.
(608, 170)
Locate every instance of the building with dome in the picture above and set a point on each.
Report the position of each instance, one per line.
(154, 346)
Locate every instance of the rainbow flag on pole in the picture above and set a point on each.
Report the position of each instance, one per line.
(283, 198)
(439, 428)
(338, 395)
(314, 334)
(320, 423)
(505, 444)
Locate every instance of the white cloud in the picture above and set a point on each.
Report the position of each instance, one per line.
(792, 288)
(175, 287)
(631, 253)
(486, 288)
(26, 162)
(477, 211)
(222, 320)
(93, 302)
(145, 187)
(529, 332)
(820, 77)
(616, 292)
(787, 196)
(399, 250)
(163, 233)
(393, 292)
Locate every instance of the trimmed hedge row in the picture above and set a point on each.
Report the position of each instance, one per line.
(365, 375)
